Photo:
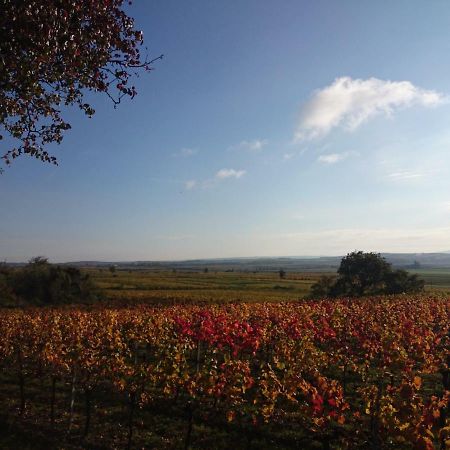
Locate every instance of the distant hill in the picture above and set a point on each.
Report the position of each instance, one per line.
(312, 264)
(265, 264)
(423, 260)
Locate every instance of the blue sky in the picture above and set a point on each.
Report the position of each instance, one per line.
(269, 128)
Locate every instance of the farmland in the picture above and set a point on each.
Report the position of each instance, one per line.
(435, 279)
(169, 287)
(175, 286)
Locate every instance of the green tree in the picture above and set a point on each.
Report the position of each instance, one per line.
(38, 261)
(361, 274)
(51, 53)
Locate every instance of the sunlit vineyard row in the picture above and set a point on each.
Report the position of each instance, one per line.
(369, 373)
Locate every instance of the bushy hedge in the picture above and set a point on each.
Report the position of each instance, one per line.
(40, 283)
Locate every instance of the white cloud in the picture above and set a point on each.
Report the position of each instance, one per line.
(402, 175)
(222, 174)
(186, 152)
(190, 184)
(349, 103)
(255, 145)
(333, 158)
(411, 175)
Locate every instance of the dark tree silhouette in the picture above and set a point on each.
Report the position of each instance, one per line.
(51, 53)
(362, 274)
(41, 283)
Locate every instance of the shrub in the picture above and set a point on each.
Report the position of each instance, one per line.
(41, 283)
(322, 288)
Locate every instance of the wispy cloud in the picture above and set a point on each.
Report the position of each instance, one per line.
(222, 174)
(411, 174)
(293, 153)
(288, 156)
(350, 102)
(333, 158)
(403, 175)
(186, 152)
(190, 184)
(254, 145)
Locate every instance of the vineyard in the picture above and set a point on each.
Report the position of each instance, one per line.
(343, 374)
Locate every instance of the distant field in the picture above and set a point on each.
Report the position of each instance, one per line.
(179, 287)
(222, 287)
(435, 279)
